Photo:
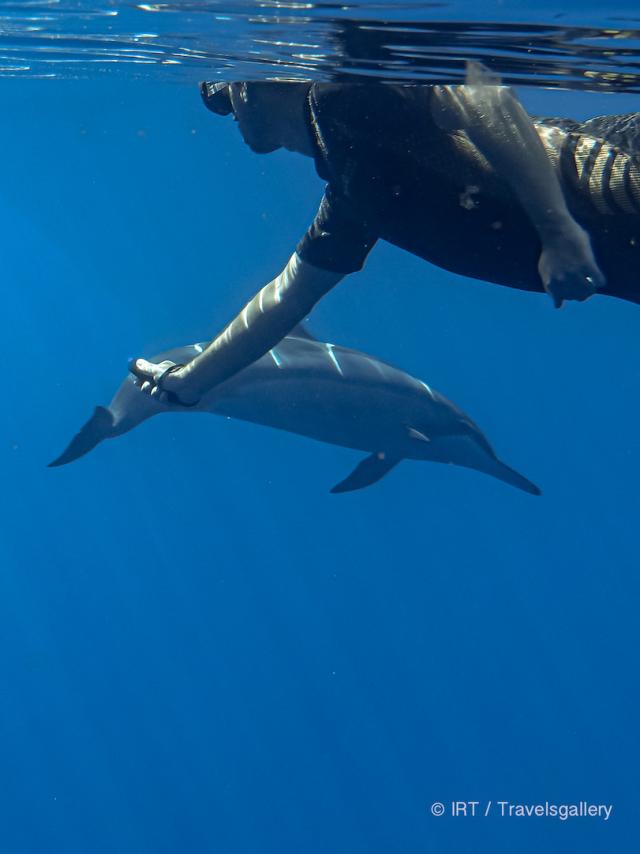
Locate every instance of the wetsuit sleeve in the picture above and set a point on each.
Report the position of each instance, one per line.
(337, 240)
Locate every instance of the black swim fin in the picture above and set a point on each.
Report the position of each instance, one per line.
(370, 470)
(97, 428)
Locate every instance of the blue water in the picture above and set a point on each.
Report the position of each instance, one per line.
(203, 650)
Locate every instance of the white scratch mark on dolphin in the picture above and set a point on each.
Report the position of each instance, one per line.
(198, 348)
(332, 356)
(426, 386)
(244, 316)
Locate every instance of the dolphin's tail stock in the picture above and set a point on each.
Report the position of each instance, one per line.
(97, 428)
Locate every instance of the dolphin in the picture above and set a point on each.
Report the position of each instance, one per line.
(326, 392)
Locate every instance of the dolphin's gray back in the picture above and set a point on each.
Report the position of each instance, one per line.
(304, 358)
(336, 395)
(298, 359)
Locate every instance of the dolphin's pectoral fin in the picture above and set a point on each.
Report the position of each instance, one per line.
(97, 428)
(367, 472)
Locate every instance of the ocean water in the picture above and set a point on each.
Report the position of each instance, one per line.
(202, 649)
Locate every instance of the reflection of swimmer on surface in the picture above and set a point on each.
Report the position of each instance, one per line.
(459, 176)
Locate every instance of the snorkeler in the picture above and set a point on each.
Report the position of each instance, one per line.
(459, 176)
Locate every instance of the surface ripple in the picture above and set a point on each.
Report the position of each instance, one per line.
(188, 41)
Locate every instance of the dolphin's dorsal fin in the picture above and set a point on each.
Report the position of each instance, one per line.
(301, 331)
(416, 434)
(367, 472)
(97, 428)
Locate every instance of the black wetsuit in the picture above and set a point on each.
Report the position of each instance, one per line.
(392, 174)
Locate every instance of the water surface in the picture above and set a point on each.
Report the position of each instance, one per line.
(533, 44)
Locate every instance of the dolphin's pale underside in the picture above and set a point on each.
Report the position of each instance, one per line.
(329, 393)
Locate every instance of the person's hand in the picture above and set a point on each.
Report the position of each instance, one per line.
(162, 381)
(568, 268)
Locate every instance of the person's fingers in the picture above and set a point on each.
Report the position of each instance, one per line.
(147, 375)
(141, 368)
(145, 370)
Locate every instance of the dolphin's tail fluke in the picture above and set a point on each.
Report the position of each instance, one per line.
(514, 478)
(97, 428)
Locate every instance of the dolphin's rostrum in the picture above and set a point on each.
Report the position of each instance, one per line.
(329, 393)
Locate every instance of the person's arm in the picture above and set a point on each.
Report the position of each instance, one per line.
(263, 322)
(500, 128)
(336, 244)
